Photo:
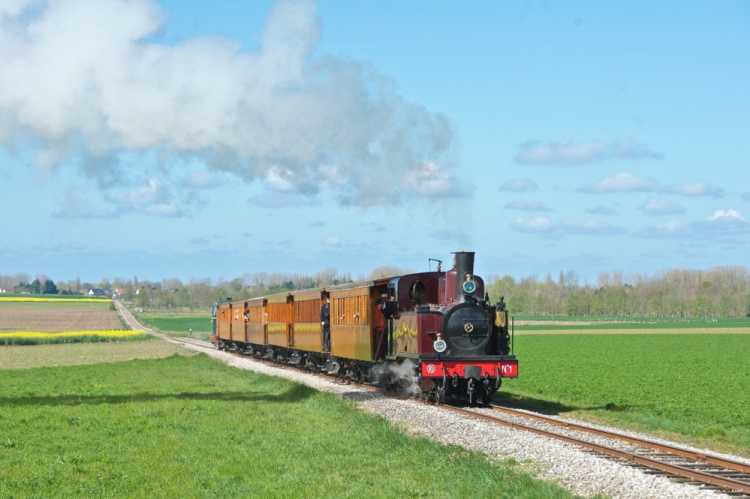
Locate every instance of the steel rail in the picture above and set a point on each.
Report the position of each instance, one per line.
(669, 449)
(668, 468)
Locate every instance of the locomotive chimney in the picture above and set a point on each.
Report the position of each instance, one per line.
(464, 264)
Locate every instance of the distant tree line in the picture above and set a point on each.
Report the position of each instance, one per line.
(200, 294)
(716, 293)
(679, 294)
(176, 294)
(20, 283)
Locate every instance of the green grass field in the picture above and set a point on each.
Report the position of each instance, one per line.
(179, 325)
(695, 387)
(191, 427)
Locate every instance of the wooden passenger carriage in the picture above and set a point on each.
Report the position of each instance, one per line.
(292, 321)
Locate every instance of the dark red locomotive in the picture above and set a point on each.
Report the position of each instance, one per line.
(445, 323)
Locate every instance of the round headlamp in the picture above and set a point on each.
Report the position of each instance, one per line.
(469, 287)
(440, 346)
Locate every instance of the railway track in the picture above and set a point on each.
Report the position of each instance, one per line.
(649, 446)
(686, 465)
(683, 464)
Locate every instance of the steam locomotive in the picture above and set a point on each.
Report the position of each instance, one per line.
(436, 332)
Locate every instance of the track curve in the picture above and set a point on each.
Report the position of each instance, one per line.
(697, 467)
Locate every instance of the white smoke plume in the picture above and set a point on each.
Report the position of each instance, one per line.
(88, 82)
(403, 375)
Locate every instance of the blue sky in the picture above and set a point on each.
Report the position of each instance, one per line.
(197, 139)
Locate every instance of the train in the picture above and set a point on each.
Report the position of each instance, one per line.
(433, 333)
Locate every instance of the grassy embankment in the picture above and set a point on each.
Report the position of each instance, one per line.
(190, 427)
(689, 387)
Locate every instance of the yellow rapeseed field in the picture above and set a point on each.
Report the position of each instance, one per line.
(80, 336)
(104, 333)
(21, 299)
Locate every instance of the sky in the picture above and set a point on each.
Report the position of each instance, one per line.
(213, 139)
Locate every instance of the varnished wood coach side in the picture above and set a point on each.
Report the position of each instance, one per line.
(224, 321)
(238, 331)
(351, 322)
(279, 310)
(256, 321)
(307, 332)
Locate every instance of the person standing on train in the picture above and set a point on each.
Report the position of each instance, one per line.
(325, 322)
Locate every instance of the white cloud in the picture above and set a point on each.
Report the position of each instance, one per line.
(725, 225)
(280, 179)
(11, 8)
(87, 81)
(622, 182)
(728, 215)
(150, 197)
(628, 182)
(546, 226)
(332, 242)
(527, 206)
(696, 189)
(667, 230)
(662, 207)
(602, 210)
(518, 185)
(430, 180)
(203, 179)
(534, 225)
(592, 228)
(77, 206)
(278, 200)
(579, 153)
